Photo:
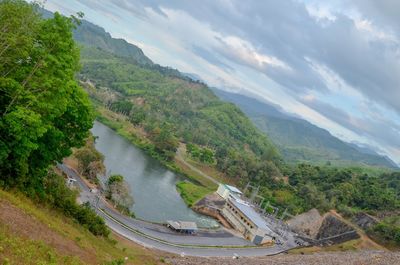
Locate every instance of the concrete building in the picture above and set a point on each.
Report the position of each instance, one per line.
(244, 218)
(225, 190)
(183, 227)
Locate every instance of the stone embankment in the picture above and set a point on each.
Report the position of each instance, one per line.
(364, 220)
(324, 230)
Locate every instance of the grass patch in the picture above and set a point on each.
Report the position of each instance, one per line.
(17, 250)
(105, 249)
(194, 176)
(192, 193)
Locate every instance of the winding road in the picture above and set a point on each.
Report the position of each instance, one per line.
(206, 243)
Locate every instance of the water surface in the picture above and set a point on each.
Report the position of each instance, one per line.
(153, 185)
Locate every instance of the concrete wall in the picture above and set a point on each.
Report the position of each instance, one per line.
(243, 225)
(233, 220)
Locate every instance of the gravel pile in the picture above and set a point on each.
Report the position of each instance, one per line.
(307, 223)
(327, 258)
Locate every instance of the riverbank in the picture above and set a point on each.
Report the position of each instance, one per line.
(137, 137)
(152, 184)
(192, 193)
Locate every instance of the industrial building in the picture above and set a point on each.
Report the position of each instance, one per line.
(243, 216)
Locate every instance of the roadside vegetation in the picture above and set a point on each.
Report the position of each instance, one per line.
(42, 235)
(119, 193)
(90, 161)
(202, 154)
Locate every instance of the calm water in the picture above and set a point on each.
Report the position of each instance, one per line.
(152, 185)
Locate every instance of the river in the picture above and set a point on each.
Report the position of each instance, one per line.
(152, 185)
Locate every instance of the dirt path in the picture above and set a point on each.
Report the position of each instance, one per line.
(181, 157)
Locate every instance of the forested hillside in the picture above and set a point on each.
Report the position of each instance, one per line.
(93, 35)
(171, 110)
(45, 113)
(299, 140)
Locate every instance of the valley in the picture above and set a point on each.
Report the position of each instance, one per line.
(107, 157)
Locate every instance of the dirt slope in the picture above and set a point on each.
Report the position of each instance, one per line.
(32, 234)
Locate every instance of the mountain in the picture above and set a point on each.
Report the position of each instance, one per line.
(92, 35)
(168, 108)
(95, 36)
(299, 140)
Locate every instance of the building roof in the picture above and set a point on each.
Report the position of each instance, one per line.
(251, 214)
(233, 189)
(188, 225)
(181, 225)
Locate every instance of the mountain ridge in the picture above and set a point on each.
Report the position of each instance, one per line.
(313, 142)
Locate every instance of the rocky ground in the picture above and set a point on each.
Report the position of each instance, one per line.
(327, 258)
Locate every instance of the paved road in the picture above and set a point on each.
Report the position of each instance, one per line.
(206, 243)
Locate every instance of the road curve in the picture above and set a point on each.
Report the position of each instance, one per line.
(158, 237)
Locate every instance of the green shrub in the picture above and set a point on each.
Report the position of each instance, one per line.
(59, 196)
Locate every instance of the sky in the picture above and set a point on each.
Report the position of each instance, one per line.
(334, 63)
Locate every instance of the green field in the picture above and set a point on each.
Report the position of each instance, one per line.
(192, 193)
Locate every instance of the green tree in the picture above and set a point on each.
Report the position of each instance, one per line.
(43, 110)
(90, 161)
(119, 193)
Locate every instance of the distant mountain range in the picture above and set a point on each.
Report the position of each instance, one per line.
(301, 141)
(297, 139)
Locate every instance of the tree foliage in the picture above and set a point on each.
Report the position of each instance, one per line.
(90, 161)
(43, 111)
(119, 193)
(327, 187)
(203, 154)
(59, 196)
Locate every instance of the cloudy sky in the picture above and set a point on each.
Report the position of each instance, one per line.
(336, 64)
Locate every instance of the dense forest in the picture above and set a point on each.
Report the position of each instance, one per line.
(44, 112)
(299, 141)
